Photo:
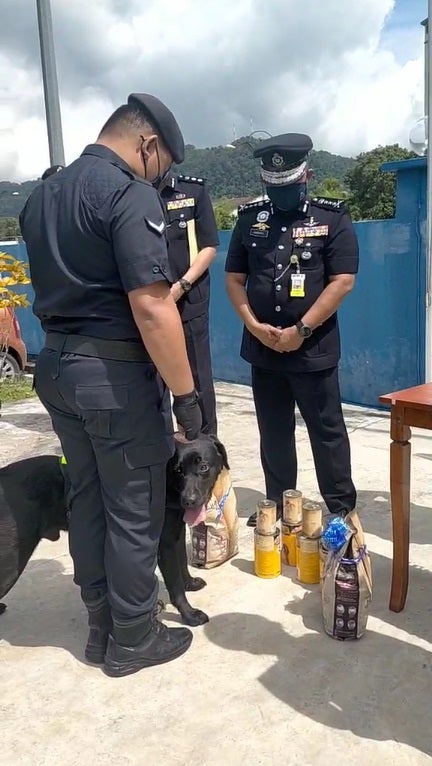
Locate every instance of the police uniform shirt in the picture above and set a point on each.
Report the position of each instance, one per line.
(265, 245)
(191, 227)
(94, 232)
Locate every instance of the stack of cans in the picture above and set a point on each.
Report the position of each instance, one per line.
(267, 559)
(301, 532)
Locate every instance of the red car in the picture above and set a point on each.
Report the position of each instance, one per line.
(15, 360)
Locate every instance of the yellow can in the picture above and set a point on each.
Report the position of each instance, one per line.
(267, 554)
(289, 544)
(311, 518)
(292, 507)
(308, 560)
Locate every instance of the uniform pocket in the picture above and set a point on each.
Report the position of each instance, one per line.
(98, 404)
(105, 397)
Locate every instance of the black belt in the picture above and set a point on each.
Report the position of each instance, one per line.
(84, 345)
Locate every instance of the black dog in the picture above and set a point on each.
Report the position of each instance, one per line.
(32, 506)
(191, 475)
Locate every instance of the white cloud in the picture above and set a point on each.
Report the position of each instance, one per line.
(321, 68)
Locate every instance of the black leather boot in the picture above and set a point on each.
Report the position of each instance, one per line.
(142, 644)
(100, 624)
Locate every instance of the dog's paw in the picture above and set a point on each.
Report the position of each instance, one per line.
(195, 617)
(195, 583)
(3, 608)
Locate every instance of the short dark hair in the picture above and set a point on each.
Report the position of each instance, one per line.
(127, 119)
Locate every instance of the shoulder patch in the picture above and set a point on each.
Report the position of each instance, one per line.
(191, 179)
(329, 204)
(157, 226)
(254, 206)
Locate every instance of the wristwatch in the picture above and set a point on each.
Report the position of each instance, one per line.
(185, 285)
(303, 330)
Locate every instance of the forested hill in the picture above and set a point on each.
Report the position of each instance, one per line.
(230, 172)
(235, 173)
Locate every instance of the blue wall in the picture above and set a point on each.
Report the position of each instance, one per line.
(382, 321)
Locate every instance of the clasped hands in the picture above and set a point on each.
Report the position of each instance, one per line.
(277, 339)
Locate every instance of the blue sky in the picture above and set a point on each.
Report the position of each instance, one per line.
(403, 33)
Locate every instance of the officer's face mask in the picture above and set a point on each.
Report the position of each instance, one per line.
(287, 198)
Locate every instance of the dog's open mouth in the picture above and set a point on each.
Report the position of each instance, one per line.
(195, 515)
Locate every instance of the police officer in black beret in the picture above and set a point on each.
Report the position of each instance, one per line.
(192, 240)
(291, 262)
(95, 234)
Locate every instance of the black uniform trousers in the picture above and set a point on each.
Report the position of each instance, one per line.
(112, 420)
(317, 395)
(197, 336)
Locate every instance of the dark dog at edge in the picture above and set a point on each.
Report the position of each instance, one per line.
(33, 506)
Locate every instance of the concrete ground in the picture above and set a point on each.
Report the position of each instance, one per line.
(262, 684)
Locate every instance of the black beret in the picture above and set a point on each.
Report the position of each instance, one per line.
(164, 121)
(285, 151)
(50, 171)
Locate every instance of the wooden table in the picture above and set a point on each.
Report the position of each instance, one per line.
(409, 408)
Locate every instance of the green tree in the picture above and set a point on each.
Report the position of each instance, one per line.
(9, 228)
(224, 214)
(332, 188)
(372, 193)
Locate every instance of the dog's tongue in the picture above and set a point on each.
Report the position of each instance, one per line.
(194, 516)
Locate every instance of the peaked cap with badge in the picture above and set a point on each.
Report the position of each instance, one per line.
(163, 120)
(283, 158)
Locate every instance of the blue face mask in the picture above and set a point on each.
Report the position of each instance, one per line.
(287, 198)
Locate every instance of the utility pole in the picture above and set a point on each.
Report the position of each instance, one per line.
(50, 84)
(428, 104)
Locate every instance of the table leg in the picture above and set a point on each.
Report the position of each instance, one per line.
(400, 470)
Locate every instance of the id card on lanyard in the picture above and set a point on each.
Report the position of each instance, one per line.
(297, 289)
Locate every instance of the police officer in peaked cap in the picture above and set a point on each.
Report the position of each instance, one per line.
(192, 241)
(96, 240)
(291, 262)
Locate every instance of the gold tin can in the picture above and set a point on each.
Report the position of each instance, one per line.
(292, 507)
(266, 517)
(267, 555)
(289, 544)
(308, 560)
(311, 519)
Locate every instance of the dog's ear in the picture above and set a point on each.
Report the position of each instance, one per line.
(221, 449)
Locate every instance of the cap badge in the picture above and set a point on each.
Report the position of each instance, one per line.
(277, 161)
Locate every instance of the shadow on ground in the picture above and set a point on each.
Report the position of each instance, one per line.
(378, 687)
(30, 421)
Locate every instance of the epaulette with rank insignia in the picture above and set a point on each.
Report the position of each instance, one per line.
(254, 206)
(192, 179)
(329, 204)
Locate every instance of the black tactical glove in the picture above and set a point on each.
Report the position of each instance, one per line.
(188, 414)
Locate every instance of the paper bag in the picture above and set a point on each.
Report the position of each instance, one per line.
(215, 540)
(347, 585)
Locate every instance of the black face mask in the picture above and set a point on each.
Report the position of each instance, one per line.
(287, 198)
(160, 182)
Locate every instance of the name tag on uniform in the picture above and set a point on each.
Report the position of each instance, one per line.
(310, 231)
(297, 285)
(259, 229)
(177, 204)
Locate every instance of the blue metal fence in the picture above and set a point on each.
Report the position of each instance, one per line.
(382, 320)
